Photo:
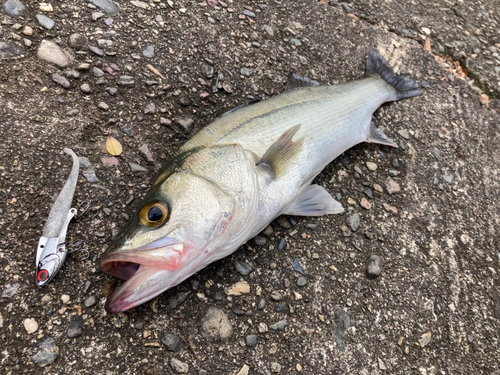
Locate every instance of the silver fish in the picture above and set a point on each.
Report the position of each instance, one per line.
(242, 171)
(51, 252)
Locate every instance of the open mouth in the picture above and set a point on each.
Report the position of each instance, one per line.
(143, 270)
(135, 290)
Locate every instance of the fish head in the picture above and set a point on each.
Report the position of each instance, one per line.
(178, 229)
(51, 255)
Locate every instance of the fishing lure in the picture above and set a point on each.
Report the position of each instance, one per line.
(52, 252)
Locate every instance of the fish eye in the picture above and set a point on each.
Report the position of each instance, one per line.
(153, 214)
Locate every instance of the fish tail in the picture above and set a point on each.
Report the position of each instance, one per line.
(405, 87)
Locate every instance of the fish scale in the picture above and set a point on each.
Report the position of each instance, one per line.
(332, 118)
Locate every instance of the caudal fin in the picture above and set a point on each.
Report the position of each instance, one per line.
(405, 87)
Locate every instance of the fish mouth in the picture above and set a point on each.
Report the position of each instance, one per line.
(144, 271)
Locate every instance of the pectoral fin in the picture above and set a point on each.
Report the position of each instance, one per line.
(313, 201)
(282, 152)
(378, 136)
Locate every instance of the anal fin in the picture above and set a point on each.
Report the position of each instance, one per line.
(313, 201)
(378, 136)
(282, 152)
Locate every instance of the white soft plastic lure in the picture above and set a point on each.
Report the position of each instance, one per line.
(239, 173)
(51, 252)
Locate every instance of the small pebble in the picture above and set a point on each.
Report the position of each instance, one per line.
(281, 244)
(259, 240)
(45, 21)
(374, 266)
(279, 326)
(75, 327)
(90, 301)
(10, 290)
(275, 367)
(30, 325)
(180, 367)
(85, 88)
(245, 72)
(46, 352)
(251, 340)
(301, 281)
(371, 166)
(172, 342)
(268, 231)
(276, 296)
(392, 187)
(238, 311)
(261, 304)
(353, 221)
(149, 52)
(365, 203)
(65, 298)
(59, 79)
(242, 268)
(185, 125)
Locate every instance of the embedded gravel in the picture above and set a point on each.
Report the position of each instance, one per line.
(405, 282)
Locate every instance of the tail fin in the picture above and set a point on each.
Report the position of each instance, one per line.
(405, 87)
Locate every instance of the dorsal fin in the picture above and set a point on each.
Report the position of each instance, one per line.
(296, 80)
(282, 152)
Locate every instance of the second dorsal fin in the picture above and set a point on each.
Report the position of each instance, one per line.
(296, 80)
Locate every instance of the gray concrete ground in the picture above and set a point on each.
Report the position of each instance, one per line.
(429, 210)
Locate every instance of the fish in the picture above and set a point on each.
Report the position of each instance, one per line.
(247, 167)
(51, 251)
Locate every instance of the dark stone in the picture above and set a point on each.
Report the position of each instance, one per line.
(75, 327)
(45, 352)
(237, 311)
(185, 125)
(177, 299)
(281, 244)
(259, 240)
(9, 49)
(184, 101)
(368, 192)
(242, 267)
(279, 326)
(251, 340)
(262, 261)
(14, 8)
(341, 322)
(282, 309)
(172, 342)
